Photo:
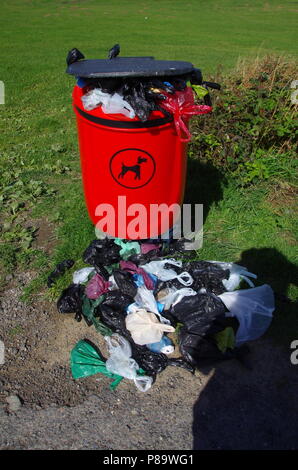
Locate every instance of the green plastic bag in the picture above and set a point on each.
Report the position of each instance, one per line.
(88, 308)
(199, 90)
(127, 248)
(225, 339)
(111, 267)
(85, 360)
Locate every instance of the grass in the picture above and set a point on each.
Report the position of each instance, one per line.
(40, 170)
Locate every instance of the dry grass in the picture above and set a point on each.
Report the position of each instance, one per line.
(271, 70)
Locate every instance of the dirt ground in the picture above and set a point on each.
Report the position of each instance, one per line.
(225, 407)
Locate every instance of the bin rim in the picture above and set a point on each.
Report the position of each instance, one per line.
(117, 124)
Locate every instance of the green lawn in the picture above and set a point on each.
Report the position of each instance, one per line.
(39, 157)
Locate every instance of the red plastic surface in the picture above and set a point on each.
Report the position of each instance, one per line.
(148, 166)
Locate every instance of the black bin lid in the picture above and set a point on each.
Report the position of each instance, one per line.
(128, 67)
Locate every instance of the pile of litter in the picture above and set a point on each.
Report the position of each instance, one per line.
(136, 97)
(149, 300)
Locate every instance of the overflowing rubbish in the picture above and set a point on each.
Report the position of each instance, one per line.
(154, 303)
(147, 316)
(135, 87)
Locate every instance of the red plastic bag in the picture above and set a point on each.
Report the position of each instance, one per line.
(96, 287)
(182, 106)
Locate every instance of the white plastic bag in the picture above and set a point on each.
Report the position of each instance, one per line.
(253, 308)
(145, 327)
(117, 105)
(132, 308)
(175, 295)
(111, 104)
(94, 98)
(82, 275)
(120, 362)
(145, 299)
(157, 268)
(236, 274)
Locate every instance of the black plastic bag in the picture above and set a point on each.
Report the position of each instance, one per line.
(172, 247)
(143, 258)
(199, 350)
(73, 56)
(101, 270)
(198, 312)
(70, 300)
(114, 319)
(202, 351)
(125, 282)
(179, 84)
(196, 77)
(154, 363)
(207, 275)
(59, 271)
(102, 253)
(108, 85)
(181, 362)
(118, 300)
(134, 93)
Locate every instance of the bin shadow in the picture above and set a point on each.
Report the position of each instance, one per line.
(204, 185)
(256, 409)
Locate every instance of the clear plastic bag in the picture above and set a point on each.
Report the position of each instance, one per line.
(81, 276)
(157, 268)
(121, 363)
(146, 300)
(175, 295)
(111, 104)
(237, 273)
(253, 308)
(145, 327)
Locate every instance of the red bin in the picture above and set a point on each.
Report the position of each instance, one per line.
(127, 162)
(133, 171)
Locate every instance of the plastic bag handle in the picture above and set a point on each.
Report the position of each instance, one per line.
(185, 275)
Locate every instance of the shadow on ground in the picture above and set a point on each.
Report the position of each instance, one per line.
(204, 185)
(257, 409)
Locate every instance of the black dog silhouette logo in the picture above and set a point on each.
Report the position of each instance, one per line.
(132, 168)
(135, 168)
